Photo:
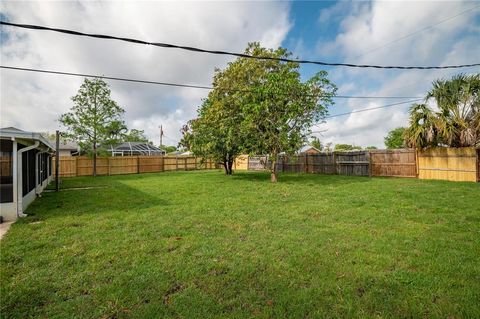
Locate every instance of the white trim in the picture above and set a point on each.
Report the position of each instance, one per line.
(14, 175)
(20, 177)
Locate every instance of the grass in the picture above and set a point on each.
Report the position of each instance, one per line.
(204, 245)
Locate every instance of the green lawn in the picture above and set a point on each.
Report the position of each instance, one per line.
(205, 245)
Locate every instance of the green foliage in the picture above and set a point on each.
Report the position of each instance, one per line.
(346, 147)
(168, 149)
(95, 120)
(371, 148)
(279, 117)
(216, 133)
(315, 142)
(395, 138)
(270, 111)
(135, 135)
(196, 245)
(457, 121)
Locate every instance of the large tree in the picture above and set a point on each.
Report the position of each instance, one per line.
(456, 120)
(395, 138)
(95, 120)
(258, 106)
(280, 108)
(216, 133)
(135, 135)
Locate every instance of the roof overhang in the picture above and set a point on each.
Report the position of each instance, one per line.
(26, 137)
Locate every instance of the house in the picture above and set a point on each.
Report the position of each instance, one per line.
(67, 148)
(308, 149)
(25, 170)
(135, 148)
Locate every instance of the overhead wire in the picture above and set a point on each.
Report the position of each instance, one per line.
(203, 87)
(370, 109)
(219, 52)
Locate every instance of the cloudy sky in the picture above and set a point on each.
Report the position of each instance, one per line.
(387, 32)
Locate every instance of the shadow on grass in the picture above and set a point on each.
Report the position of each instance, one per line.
(116, 197)
(302, 178)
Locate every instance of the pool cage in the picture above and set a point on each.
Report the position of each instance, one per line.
(136, 148)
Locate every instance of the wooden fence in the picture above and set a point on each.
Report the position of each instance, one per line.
(71, 166)
(396, 163)
(352, 163)
(453, 164)
(342, 163)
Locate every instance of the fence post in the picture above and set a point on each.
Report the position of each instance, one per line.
(416, 163)
(138, 165)
(369, 163)
(306, 162)
(176, 162)
(108, 165)
(334, 163)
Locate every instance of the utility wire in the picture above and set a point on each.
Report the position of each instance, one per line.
(241, 55)
(182, 85)
(416, 32)
(370, 109)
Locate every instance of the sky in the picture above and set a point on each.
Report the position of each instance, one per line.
(377, 32)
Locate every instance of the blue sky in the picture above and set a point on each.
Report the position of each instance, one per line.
(357, 32)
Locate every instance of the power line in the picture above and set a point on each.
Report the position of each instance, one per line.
(241, 55)
(181, 85)
(416, 32)
(370, 109)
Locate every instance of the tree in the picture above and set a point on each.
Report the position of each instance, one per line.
(315, 142)
(135, 135)
(395, 138)
(346, 147)
(186, 141)
(457, 121)
(371, 148)
(258, 106)
(168, 149)
(279, 108)
(328, 147)
(216, 133)
(95, 120)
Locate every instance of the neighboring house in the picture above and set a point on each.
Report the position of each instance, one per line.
(308, 149)
(175, 153)
(25, 170)
(67, 148)
(135, 148)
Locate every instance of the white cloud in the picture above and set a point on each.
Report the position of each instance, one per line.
(368, 26)
(34, 101)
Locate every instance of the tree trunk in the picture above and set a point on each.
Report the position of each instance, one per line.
(273, 170)
(225, 166)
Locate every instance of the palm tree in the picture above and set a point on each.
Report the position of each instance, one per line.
(457, 121)
(422, 130)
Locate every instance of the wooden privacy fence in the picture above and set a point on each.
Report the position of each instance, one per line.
(71, 166)
(396, 163)
(342, 163)
(352, 163)
(455, 164)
